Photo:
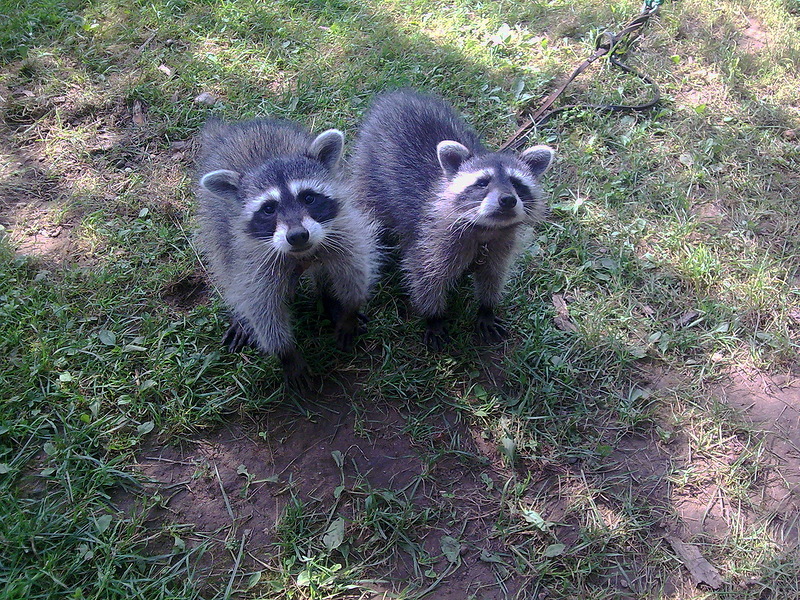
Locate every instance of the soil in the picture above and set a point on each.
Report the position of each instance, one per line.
(187, 292)
(772, 404)
(29, 205)
(238, 481)
(754, 36)
(242, 477)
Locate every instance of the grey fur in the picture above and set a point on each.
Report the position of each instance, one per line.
(419, 167)
(255, 258)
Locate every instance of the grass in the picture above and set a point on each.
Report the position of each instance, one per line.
(554, 465)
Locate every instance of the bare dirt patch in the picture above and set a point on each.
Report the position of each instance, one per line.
(772, 404)
(31, 204)
(241, 480)
(754, 36)
(187, 292)
(235, 487)
(35, 232)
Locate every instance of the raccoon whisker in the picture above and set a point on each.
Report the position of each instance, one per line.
(266, 266)
(459, 212)
(458, 217)
(462, 231)
(465, 220)
(335, 243)
(270, 259)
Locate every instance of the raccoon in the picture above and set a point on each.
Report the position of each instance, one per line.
(272, 206)
(450, 204)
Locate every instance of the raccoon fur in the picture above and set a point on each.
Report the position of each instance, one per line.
(450, 204)
(272, 206)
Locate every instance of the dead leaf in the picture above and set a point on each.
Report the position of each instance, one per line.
(699, 568)
(686, 318)
(562, 319)
(138, 113)
(103, 142)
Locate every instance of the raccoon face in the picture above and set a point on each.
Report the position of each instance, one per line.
(494, 190)
(293, 216)
(288, 202)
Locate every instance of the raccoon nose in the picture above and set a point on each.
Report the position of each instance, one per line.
(508, 201)
(297, 237)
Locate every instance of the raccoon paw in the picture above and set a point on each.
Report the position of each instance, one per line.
(295, 371)
(331, 308)
(436, 336)
(347, 329)
(490, 329)
(236, 338)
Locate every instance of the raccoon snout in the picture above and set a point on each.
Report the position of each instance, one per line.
(297, 237)
(500, 199)
(508, 201)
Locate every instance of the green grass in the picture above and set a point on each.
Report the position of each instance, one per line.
(673, 242)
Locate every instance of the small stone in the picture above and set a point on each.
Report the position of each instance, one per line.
(206, 98)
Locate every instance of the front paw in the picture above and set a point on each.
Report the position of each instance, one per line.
(436, 336)
(347, 329)
(296, 374)
(490, 329)
(237, 337)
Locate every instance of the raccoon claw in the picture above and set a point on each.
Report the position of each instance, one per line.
(236, 338)
(347, 329)
(348, 324)
(490, 328)
(295, 371)
(345, 340)
(301, 383)
(491, 332)
(436, 336)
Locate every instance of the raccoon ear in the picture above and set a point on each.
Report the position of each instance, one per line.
(451, 156)
(538, 158)
(222, 183)
(327, 148)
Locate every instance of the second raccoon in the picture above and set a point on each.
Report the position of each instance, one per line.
(451, 205)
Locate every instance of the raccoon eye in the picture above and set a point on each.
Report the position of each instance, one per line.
(520, 187)
(268, 208)
(481, 183)
(308, 197)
